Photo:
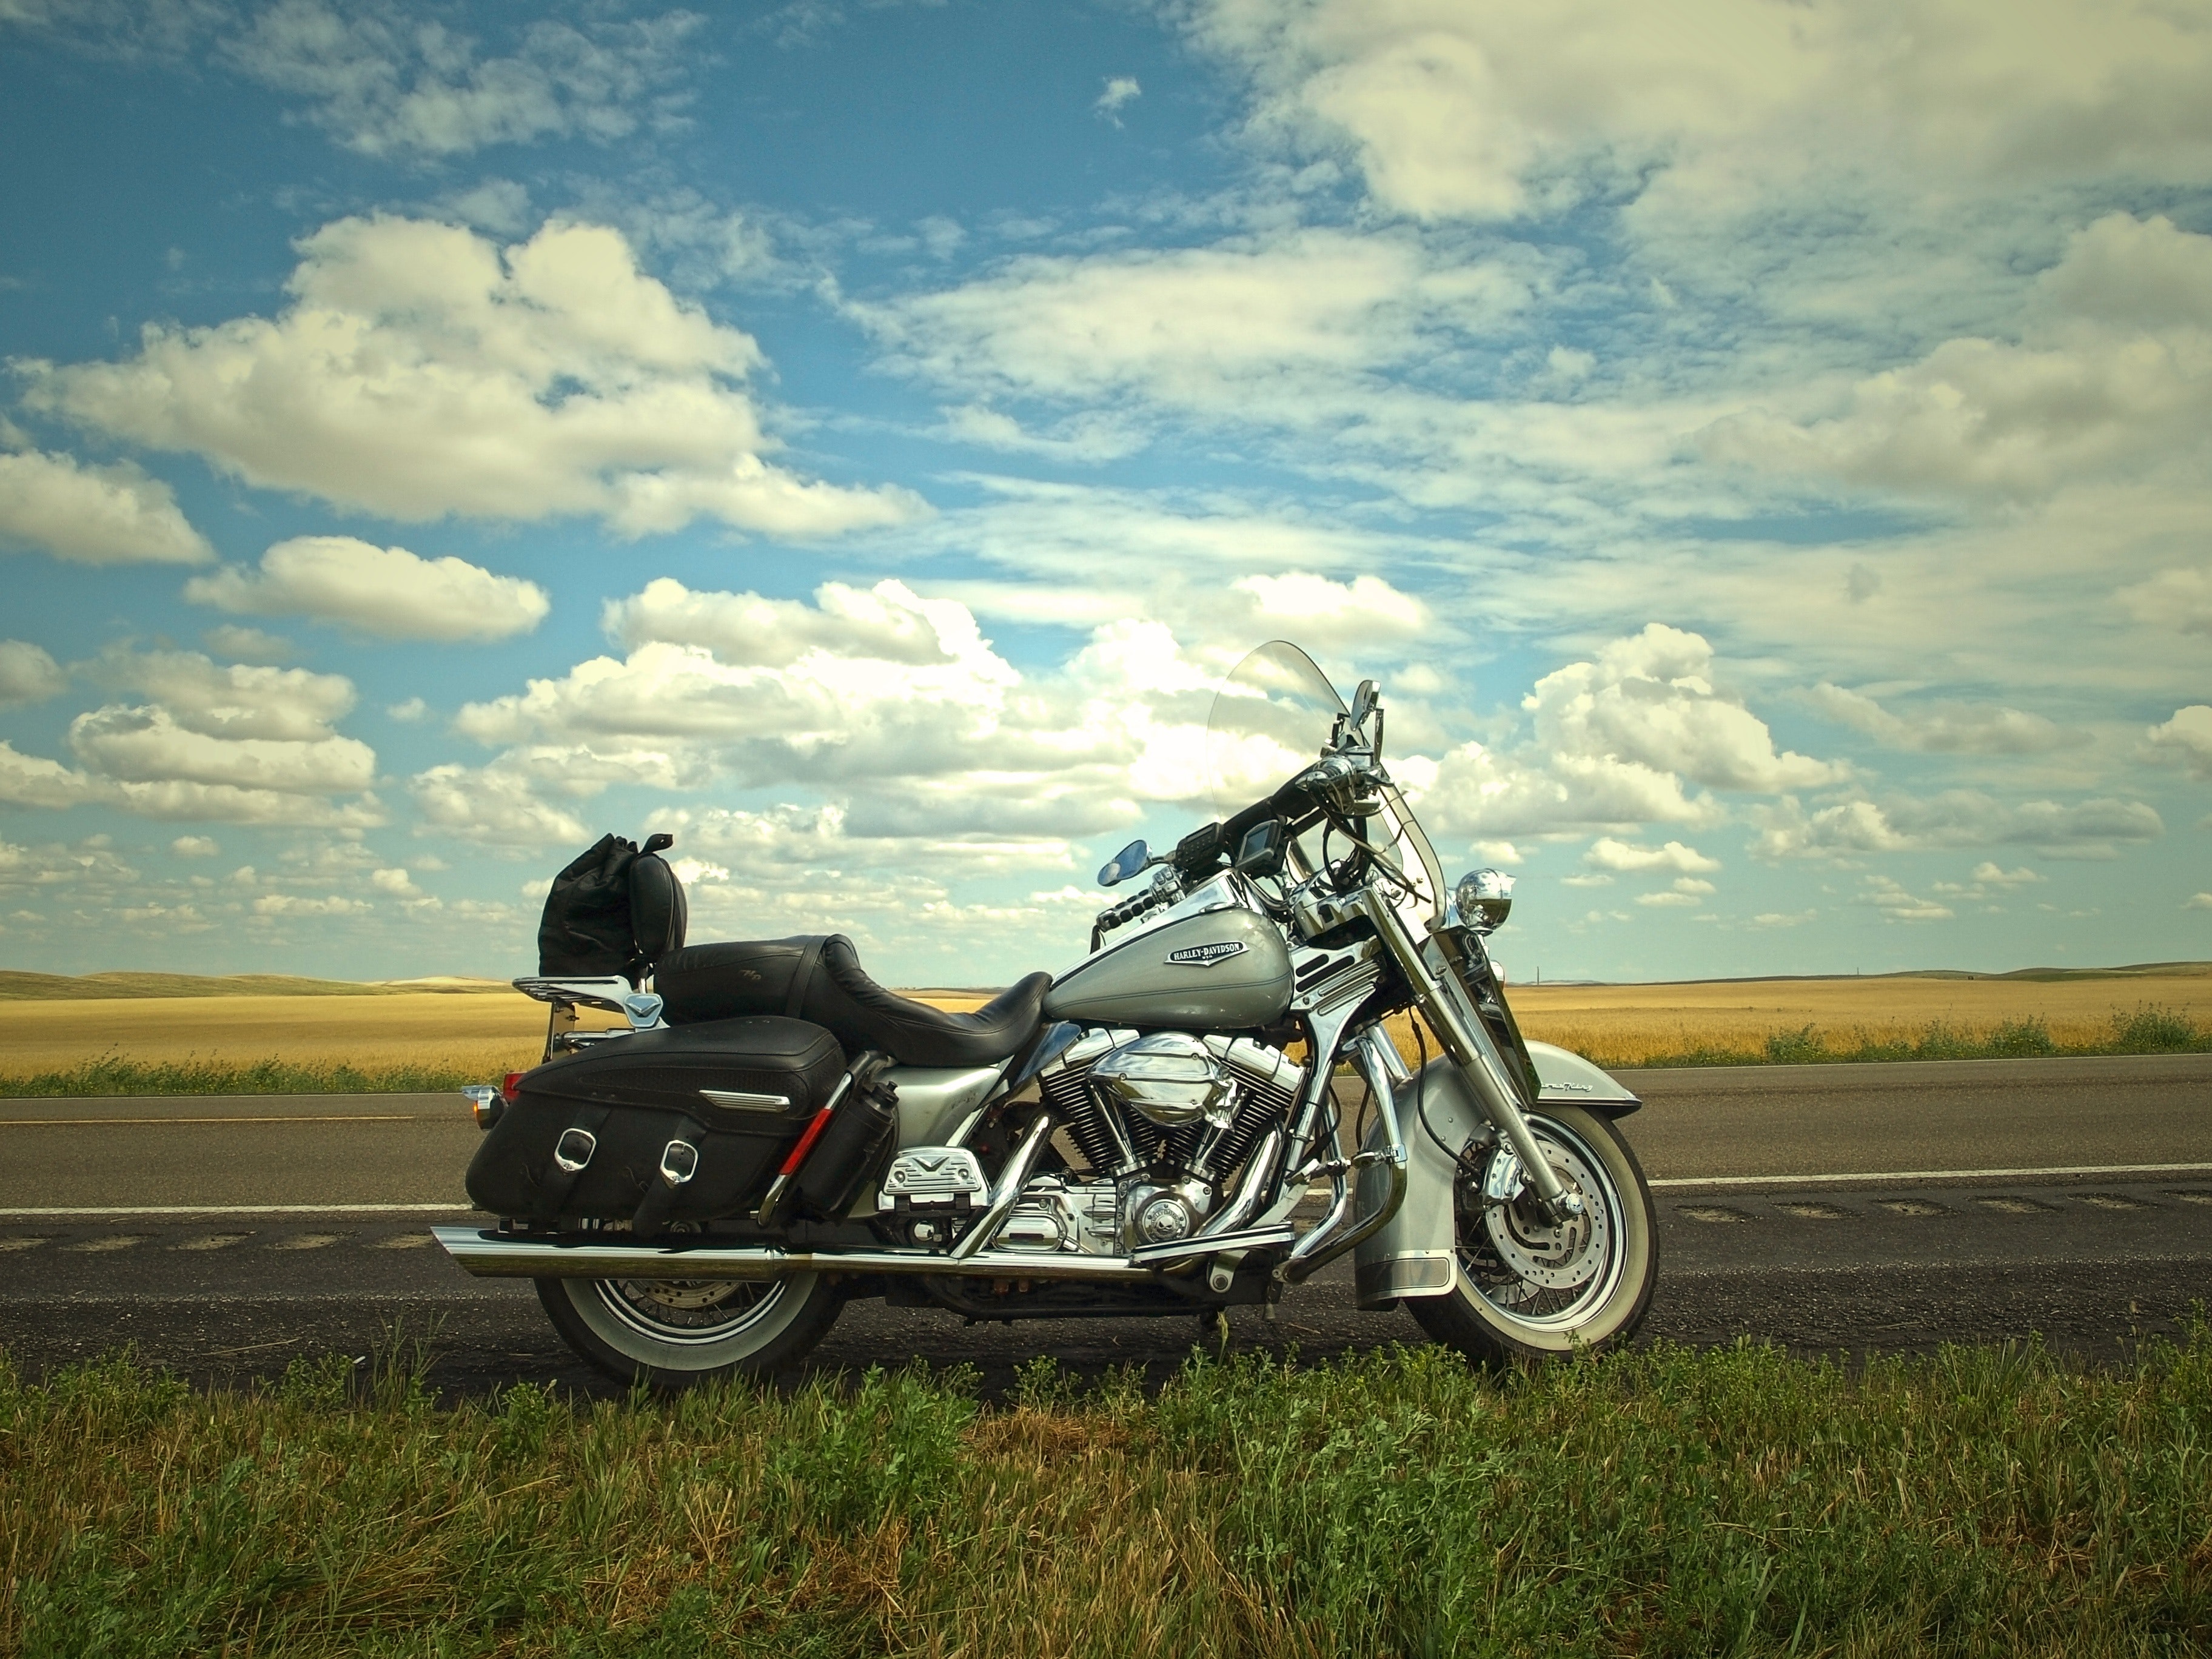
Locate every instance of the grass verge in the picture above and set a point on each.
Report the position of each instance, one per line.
(118, 1075)
(2146, 1030)
(1983, 1501)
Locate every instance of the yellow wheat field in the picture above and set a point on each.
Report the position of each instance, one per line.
(1651, 1021)
(496, 1031)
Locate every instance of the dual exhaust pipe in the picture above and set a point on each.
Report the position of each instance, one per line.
(490, 1254)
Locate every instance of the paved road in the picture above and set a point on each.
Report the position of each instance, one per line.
(1807, 1205)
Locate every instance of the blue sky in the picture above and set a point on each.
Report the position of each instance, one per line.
(1762, 453)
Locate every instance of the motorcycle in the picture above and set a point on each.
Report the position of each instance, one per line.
(769, 1134)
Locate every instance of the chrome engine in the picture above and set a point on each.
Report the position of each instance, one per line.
(1153, 1126)
(1157, 1123)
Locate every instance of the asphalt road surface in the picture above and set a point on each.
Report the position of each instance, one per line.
(1860, 1208)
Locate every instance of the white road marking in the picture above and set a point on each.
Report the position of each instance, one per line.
(114, 1212)
(1880, 1177)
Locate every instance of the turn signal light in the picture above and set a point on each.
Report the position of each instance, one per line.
(485, 1103)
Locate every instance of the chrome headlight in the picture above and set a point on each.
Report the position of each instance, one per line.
(1483, 899)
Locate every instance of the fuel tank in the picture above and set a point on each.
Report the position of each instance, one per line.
(1220, 971)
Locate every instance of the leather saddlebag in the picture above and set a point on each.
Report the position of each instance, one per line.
(590, 1134)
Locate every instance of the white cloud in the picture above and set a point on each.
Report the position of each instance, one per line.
(1613, 741)
(34, 781)
(119, 515)
(408, 711)
(2181, 599)
(243, 644)
(1607, 853)
(385, 591)
(237, 700)
(1491, 111)
(1668, 899)
(1364, 608)
(28, 673)
(2093, 828)
(1896, 904)
(385, 84)
(2198, 902)
(1943, 727)
(2117, 379)
(1991, 875)
(1087, 438)
(195, 847)
(1121, 89)
(238, 744)
(1649, 699)
(2186, 740)
(1215, 329)
(395, 881)
(422, 371)
(491, 805)
(289, 904)
(147, 745)
(886, 624)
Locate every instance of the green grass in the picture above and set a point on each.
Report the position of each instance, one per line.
(1981, 1501)
(2149, 1029)
(112, 1075)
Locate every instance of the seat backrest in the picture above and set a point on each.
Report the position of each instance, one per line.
(658, 912)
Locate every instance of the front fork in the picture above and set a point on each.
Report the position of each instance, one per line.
(1444, 999)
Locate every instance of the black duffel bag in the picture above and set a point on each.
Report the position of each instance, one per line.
(614, 910)
(590, 1134)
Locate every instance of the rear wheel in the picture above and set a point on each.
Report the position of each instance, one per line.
(672, 1333)
(1525, 1288)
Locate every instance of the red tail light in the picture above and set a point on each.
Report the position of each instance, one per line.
(508, 1086)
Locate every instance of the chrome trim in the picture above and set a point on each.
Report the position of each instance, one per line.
(1333, 1238)
(1250, 1239)
(606, 992)
(1008, 1192)
(741, 1100)
(575, 1162)
(487, 1254)
(679, 1162)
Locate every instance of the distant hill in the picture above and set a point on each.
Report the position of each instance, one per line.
(52, 988)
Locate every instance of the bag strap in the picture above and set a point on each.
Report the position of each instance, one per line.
(803, 976)
(659, 1199)
(553, 1191)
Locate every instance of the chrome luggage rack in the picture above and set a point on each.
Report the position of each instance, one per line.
(614, 993)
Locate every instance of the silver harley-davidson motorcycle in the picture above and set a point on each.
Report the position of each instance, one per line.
(1203, 1113)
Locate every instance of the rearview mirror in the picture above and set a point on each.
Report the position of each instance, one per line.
(1364, 701)
(1125, 864)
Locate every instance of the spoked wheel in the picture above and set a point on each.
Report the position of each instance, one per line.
(672, 1333)
(1525, 1287)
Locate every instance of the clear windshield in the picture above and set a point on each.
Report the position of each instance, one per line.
(1272, 719)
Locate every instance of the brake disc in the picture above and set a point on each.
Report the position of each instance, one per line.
(1558, 1256)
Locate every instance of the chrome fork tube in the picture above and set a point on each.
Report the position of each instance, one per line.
(1476, 1055)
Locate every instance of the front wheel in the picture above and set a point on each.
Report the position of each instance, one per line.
(1524, 1288)
(672, 1333)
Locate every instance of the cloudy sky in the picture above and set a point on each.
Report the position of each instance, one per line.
(1761, 448)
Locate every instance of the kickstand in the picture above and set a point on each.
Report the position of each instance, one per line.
(1213, 1332)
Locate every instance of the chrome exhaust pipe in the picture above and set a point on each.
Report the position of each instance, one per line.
(490, 1255)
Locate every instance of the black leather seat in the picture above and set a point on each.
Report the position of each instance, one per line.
(820, 979)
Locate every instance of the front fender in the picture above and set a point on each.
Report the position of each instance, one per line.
(1414, 1253)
